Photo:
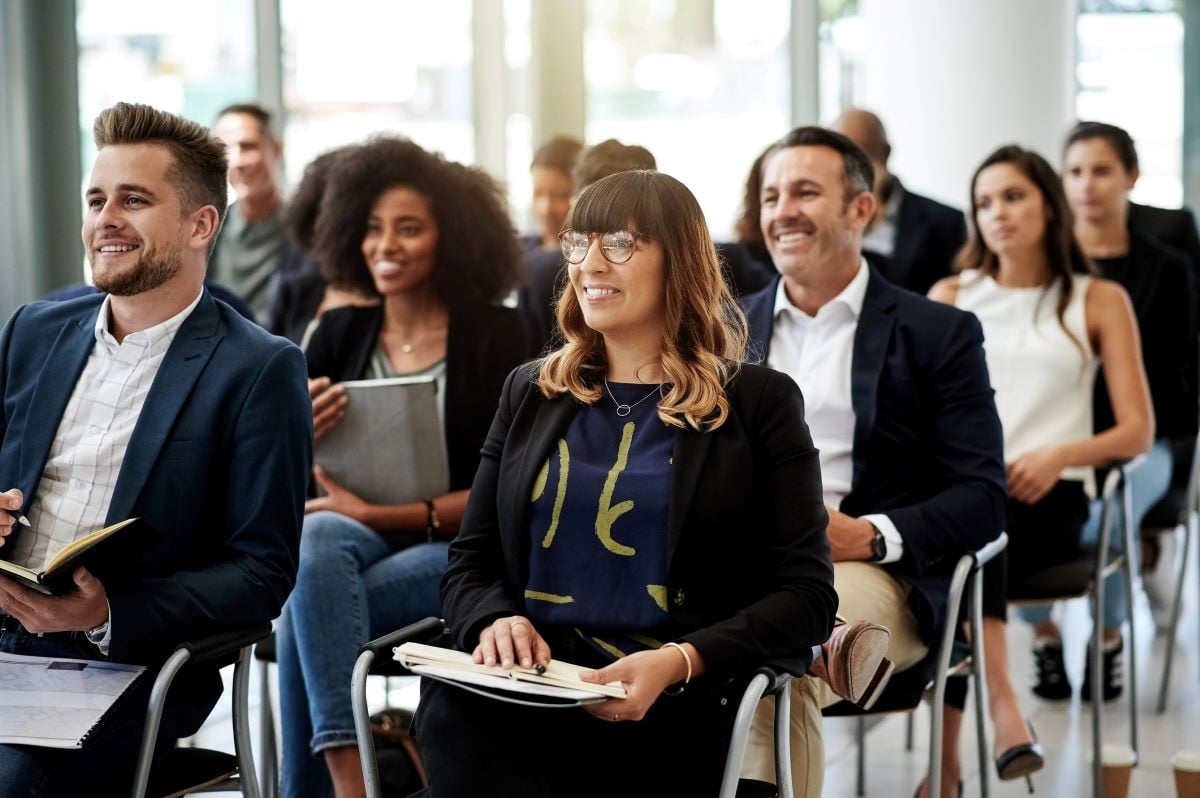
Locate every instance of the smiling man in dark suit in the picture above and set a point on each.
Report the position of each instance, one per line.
(900, 406)
(911, 239)
(151, 400)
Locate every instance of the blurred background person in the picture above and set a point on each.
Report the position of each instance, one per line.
(553, 187)
(433, 239)
(915, 237)
(747, 261)
(299, 299)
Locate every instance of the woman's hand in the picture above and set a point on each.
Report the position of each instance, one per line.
(509, 641)
(337, 499)
(644, 676)
(328, 403)
(1031, 476)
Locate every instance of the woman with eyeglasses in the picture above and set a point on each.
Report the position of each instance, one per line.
(432, 239)
(646, 506)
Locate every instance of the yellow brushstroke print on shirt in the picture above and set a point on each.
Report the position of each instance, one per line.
(659, 594)
(553, 598)
(560, 493)
(608, 513)
(609, 648)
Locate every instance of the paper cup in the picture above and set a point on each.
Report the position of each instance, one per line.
(1116, 764)
(1186, 765)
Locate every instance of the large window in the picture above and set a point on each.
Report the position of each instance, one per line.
(360, 67)
(175, 55)
(703, 84)
(1130, 73)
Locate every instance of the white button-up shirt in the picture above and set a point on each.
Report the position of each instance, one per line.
(817, 352)
(85, 459)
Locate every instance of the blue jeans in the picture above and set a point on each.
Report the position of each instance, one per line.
(351, 587)
(1147, 484)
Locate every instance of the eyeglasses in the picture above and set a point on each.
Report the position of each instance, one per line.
(616, 247)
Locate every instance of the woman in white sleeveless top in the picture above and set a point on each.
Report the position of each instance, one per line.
(1047, 323)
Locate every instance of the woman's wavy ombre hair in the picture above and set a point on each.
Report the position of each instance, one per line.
(704, 331)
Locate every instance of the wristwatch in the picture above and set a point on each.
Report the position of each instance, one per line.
(878, 546)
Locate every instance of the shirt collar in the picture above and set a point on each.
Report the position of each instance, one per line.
(851, 297)
(160, 334)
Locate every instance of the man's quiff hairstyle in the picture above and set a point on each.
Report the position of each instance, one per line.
(198, 166)
(858, 175)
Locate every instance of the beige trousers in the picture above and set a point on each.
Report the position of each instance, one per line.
(865, 592)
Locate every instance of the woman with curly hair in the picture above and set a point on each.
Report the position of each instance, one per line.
(646, 506)
(433, 239)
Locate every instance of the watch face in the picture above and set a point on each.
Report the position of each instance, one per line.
(878, 546)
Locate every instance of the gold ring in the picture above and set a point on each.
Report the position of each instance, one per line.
(512, 626)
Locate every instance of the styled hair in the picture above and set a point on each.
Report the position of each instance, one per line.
(608, 158)
(704, 331)
(1063, 253)
(478, 256)
(858, 176)
(1118, 138)
(198, 165)
(300, 216)
(257, 112)
(748, 227)
(559, 153)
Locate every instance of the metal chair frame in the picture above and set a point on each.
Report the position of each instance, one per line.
(1191, 531)
(966, 573)
(238, 646)
(1116, 483)
(765, 680)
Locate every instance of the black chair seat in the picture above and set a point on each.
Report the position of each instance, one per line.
(1168, 512)
(1072, 578)
(264, 650)
(188, 769)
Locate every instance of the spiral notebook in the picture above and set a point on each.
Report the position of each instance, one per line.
(54, 702)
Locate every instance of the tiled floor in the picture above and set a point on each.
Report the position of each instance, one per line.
(1065, 729)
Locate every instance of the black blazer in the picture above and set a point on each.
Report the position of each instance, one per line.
(1174, 227)
(928, 448)
(749, 574)
(1162, 291)
(928, 236)
(483, 345)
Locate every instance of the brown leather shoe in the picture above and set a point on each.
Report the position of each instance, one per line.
(853, 663)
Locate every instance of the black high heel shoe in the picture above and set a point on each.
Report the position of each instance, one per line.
(1022, 760)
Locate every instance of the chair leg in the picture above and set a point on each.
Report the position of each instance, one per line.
(979, 677)
(1132, 572)
(1097, 679)
(909, 729)
(269, 773)
(154, 713)
(362, 723)
(860, 739)
(247, 778)
(1189, 529)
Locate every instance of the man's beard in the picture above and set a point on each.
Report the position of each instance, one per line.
(148, 272)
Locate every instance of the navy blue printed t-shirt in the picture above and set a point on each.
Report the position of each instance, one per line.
(598, 527)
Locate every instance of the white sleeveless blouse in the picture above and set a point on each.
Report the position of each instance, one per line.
(1043, 380)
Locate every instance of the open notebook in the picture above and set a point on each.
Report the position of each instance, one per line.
(54, 702)
(559, 685)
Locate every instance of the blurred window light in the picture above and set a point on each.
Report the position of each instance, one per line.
(680, 78)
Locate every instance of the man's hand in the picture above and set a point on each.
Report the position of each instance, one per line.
(82, 609)
(849, 538)
(9, 500)
(329, 405)
(338, 499)
(1031, 476)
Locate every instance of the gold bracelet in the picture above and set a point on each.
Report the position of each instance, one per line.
(686, 658)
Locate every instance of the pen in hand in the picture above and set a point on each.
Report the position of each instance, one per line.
(20, 518)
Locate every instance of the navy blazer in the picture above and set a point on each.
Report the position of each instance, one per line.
(749, 578)
(928, 447)
(217, 463)
(928, 236)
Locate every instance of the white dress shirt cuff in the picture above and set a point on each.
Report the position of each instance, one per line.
(101, 636)
(893, 543)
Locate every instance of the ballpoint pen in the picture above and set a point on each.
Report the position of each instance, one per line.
(21, 519)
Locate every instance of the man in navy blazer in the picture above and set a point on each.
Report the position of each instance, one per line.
(899, 402)
(912, 239)
(153, 401)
